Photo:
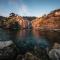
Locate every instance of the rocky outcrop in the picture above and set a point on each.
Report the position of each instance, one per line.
(54, 13)
(38, 54)
(54, 53)
(16, 22)
(27, 56)
(51, 21)
(30, 56)
(23, 23)
(37, 23)
(4, 44)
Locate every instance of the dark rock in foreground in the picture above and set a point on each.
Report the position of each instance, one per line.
(8, 53)
(27, 56)
(54, 53)
(36, 54)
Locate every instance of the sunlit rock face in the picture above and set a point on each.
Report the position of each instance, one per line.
(55, 13)
(9, 22)
(37, 23)
(15, 21)
(23, 23)
(52, 23)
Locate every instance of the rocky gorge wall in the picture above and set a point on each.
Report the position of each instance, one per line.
(50, 21)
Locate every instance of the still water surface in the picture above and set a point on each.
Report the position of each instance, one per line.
(28, 39)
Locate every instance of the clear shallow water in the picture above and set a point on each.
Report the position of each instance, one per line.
(28, 39)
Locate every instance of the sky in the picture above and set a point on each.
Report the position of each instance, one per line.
(28, 7)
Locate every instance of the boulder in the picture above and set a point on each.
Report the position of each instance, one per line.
(54, 53)
(7, 53)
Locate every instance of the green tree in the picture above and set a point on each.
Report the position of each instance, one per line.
(12, 14)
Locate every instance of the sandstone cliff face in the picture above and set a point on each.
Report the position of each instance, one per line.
(54, 13)
(37, 23)
(12, 22)
(23, 23)
(51, 21)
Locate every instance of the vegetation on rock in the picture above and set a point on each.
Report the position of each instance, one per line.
(50, 21)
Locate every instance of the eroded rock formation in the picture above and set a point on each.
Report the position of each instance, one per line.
(15, 22)
(37, 23)
(51, 21)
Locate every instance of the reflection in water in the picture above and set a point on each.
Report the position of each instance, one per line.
(54, 36)
(4, 35)
(40, 39)
(37, 33)
(23, 34)
(27, 39)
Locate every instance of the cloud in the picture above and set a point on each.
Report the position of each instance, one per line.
(21, 6)
(23, 10)
(16, 6)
